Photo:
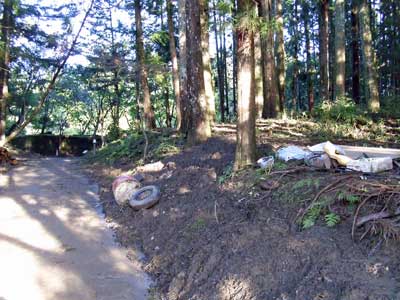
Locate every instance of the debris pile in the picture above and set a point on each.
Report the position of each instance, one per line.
(6, 158)
(353, 187)
(127, 189)
(328, 156)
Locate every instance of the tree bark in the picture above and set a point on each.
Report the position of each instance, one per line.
(246, 138)
(395, 45)
(370, 73)
(295, 83)
(234, 62)
(225, 68)
(208, 81)
(184, 125)
(6, 25)
(355, 51)
(340, 49)
(310, 69)
(324, 49)
(148, 109)
(280, 55)
(220, 81)
(168, 118)
(199, 124)
(174, 60)
(270, 82)
(259, 95)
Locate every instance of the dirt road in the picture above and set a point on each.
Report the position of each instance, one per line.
(53, 243)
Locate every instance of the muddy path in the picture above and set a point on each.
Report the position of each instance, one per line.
(208, 240)
(54, 244)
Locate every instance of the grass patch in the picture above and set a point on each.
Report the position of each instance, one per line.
(131, 148)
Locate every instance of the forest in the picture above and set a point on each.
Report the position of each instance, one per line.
(188, 65)
(264, 133)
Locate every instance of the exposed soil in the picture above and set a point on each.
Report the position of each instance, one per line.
(207, 240)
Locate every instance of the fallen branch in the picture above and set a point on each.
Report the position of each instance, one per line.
(294, 170)
(377, 216)
(353, 228)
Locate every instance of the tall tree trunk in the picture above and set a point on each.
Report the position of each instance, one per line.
(246, 138)
(295, 80)
(270, 82)
(199, 125)
(168, 118)
(355, 51)
(184, 125)
(234, 73)
(148, 109)
(6, 25)
(370, 73)
(340, 49)
(225, 68)
(220, 81)
(280, 55)
(395, 69)
(307, 29)
(208, 81)
(116, 105)
(324, 49)
(174, 60)
(259, 95)
(234, 63)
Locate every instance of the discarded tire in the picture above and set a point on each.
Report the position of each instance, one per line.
(124, 187)
(145, 197)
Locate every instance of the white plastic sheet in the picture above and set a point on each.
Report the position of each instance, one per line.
(291, 152)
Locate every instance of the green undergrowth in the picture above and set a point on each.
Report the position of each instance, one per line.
(131, 148)
(299, 191)
(344, 119)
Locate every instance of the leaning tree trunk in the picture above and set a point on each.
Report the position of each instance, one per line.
(4, 66)
(370, 73)
(35, 111)
(246, 138)
(208, 81)
(174, 60)
(199, 123)
(148, 110)
(340, 49)
(324, 49)
(270, 83)
(280, 55)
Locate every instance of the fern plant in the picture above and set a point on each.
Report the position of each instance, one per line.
(352, 199)
(332, 219)
(311, 217)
